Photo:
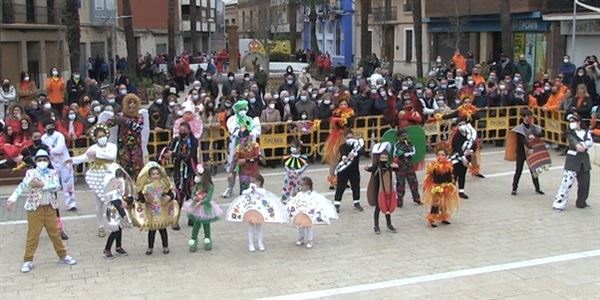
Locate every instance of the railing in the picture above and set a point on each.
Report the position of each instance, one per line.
(383, 14)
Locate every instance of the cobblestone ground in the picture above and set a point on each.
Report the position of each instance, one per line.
(348, 260)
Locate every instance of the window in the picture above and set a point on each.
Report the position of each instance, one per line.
(161, 48)
(7, 12)
(50, 12)
(243, 20)
(30, 9)
(408, 45)
(338, 38)
(99, 4)
(232, 21)
(251, 20)
(407, 7)
(110, 4)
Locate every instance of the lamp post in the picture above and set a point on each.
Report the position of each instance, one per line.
(210, 20)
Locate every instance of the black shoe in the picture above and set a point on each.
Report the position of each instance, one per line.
(479, 175)
(358, 207)
(107, 254)
(121, 251)
(463, 196)
(418, 202)
(391, 228)
(337, 209)
(582, 207)
(72, 209)
(149, 251)
(540, 192)
(446, 222)
(331, 188)
(377, 230)
(513, 193)
(166, 251)
(63, 236)
(176, 226)
(432, 225)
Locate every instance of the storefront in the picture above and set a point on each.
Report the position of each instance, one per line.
(587, 38)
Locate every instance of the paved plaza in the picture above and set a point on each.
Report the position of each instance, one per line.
(498, 247)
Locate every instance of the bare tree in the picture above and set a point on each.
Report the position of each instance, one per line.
(312, 16)
(292, 21)
(193, 29)
(456, 31)
(418, 30)
(129, 37)
(71, 20)
(506, 26)
(171, 30)
(365, 45)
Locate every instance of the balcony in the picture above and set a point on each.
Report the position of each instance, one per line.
(562, 6)
(384, 14)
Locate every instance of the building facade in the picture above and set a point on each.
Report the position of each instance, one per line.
(210, 24)
(97, 19)
(391, 35)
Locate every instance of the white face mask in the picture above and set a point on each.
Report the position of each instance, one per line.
(158, 101)
(42, 165)
(180, 113)
(111, 100)
(76, 77)
(573, 125)
(327, 102)
(230, 78)
(383, 94)
(72, 117)
(47, 106)
(290, 82)
(102, 141)
(354, 92)
(286, 100)
(246, 79)
(303, 98)
(502, 87)
(123, 92)
(197, 179)
(304, 117)
(195, 97)
(566, 60)
(404, 88)
(208, 78)
(252, 100)
(26, 78)
(55, 73)
(272, 106)
(91, 120)
(97, 109)
(243, 113)
(470, 82)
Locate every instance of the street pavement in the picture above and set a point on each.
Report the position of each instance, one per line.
(498, 247)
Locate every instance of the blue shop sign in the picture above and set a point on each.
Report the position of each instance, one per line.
(529, 25)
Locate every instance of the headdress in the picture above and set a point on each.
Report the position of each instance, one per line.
(92, 131)
(442, 146)
(129, 98)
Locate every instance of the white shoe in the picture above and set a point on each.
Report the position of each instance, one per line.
(300, 242)
(67, 260)
(261, 247)
(251, 248)
(309, 245)
(26, 267)
(227, 193)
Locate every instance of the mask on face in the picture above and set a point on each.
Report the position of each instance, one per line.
(439, 61)
(55, 73)
(246, 79)
(159, 101)
(208, 78)
(327, 102)
(102, 141)
(573, 125)
(26, 78)
(37, 143)
(97, 109)
(354, 92)
(195, 97)
(76, 77)
(290, 82)
(197, 179)
(444, 86)
(404, 88)
(180, 113)
(243, 113)
(72, 117)
(230, 78)
(303, 98)
(47, 106)
(286, 100)
(482, 89)
(580, 73)
(253, 100)
(431, 85)
(42, 165)
(123, 92)
(566, 60)
(502, 87)
(547, 88)
(470, 82)
(111, 100)
(383, 94)
(271, 106)
(91, 120)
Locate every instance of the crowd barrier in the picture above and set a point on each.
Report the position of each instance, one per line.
(492, 125)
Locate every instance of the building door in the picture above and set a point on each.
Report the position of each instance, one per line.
(497, 46)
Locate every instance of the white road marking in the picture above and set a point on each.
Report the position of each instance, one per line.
(438, 276)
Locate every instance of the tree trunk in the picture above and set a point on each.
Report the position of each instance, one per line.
(313, 29)
(364, 30)
(418, 36)
(506, 26)
(171, 29)
(129, 37)
(292, 20)
(193, 29)
(71, 20)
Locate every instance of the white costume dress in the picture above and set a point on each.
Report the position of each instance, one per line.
(319, 209)
(59, 153)
(260, 200)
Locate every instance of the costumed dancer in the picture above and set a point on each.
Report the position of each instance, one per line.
(59, 153)
(247, 156)
(130, 138)
(380, 192)
(308, 208)
(235, 124)
(577, 165)
(101, 155)
(256, 206)
(462, 143)
(41, 204)
(156, 208)
(523, 143)
(340, 122)
(184, 151)
(439, 190)
(117, 188)
(295, 164)
(347, 170)
(404, 150)
(201, 209)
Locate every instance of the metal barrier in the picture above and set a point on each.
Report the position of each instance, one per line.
(275, 138)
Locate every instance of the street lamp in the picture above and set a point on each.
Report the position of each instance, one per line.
(210, 20)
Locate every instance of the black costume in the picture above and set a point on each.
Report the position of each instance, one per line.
(347, 170)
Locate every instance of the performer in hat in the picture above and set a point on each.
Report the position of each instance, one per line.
(522, 143)
(577, 164)
(380, 192)
(439, 190)
(41, 204)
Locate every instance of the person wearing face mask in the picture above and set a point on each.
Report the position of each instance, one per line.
(439, 69)
(132, 131)
(295, 164)
(408, 115)
(380, 191)
(555, 99)
(481, 97)
(41, 204)
(14, 117)
(581, 77)
(347, 168)
(567, 69)
(229, 85)
(340, 121)
(74, 127)
(27, 90)
(520, 96)
(261, 77)
(522, 143)
(304, 77)
(306, 107)
(75, 88)
(577, 165)
(122, 92)
(8, 95)
(59, 154)
(85, 108)
(9, 147)
(356, 80)
(192, 119)
(255, 105)
(503, 98)
(269, 115)
(290, 86)
(93, 90)
(159, 113)
(245, 83)
(524, 68)
(362, 103)
(210, 84)
(504, 67)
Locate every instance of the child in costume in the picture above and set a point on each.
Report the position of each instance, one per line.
(201, 209)
(247, 156)
(439, 190)
(157, 207)
(347, 170)
(117, 186)
(405, 170)
(341, 121)
(295, 164)
(308, 208)
(380, 192)
(256, 206)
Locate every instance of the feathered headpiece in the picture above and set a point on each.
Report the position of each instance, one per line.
(442, 146)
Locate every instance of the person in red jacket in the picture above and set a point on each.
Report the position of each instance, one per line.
(409, 115)
(72, 127)
(14, 116)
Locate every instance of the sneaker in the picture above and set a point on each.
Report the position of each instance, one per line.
(446, 222)
(331, 188)
(63, 236)
(166, 251)
(101, 233)
(261, 247)
(26, 267)
(149, 251)
(513, 193)
(121, 251)
(176, 226)
(207, 244)
(67, 260)
(227, 193)
(391, 228)
(73, 209)
(251, 247)
(337, 209)
(377, 230)
(309, 245)
(432, 225)
(300, 242)
(540, 192)
(193, 245)
(107, 254)
(358, 207)
(463, 195)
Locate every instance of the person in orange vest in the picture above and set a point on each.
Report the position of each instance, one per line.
(556, 98)
(477, 77)
(55, 86)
